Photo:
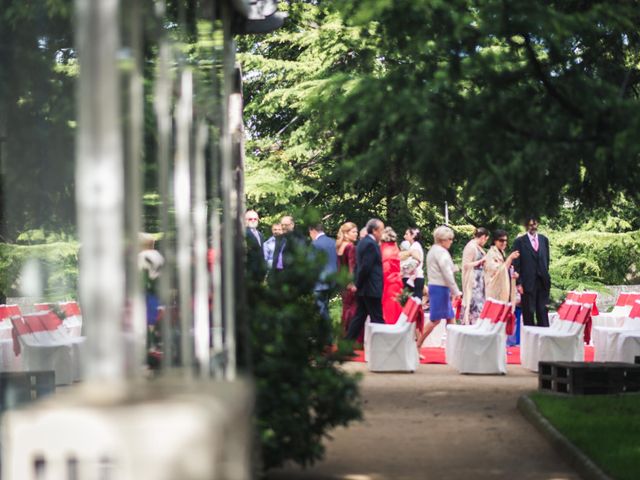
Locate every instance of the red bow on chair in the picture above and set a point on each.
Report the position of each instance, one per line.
(587, 330)
(16, 342)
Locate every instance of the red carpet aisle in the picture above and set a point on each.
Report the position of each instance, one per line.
(436, 355)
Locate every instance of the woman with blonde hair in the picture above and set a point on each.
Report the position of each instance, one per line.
(440, 280)
(391, 276)
(346, 250)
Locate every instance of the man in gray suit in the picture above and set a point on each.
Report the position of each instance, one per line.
(327, 245)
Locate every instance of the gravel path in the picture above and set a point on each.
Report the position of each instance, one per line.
(437, 424)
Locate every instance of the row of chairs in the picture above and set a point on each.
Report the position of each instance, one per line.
(42, 341)
(481, 348)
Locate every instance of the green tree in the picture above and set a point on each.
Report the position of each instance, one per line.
(37, 113)
(499, 108)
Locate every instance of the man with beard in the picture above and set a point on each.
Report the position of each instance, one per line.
(534, 282)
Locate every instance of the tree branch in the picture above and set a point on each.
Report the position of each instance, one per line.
(540, 73)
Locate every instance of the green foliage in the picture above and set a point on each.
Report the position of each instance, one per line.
(591, 422)
(621, 215)
(501, 110)
(37, 114)
(301, 391)
(59, 262)
(582, 258)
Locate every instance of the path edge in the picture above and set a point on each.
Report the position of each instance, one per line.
(572, 454)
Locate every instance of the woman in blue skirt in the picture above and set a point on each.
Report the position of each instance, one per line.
(440, 280)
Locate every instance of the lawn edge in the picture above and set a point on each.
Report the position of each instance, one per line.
(572, 454)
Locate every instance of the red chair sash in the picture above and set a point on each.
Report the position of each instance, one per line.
(13, 310)
(71, 309)
(622, 300)
(590, 298)
(632, 298)
(584, 317)
(411, 310)
(575, 296)
(494, 311)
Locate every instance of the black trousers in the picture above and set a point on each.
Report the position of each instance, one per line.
(322, 302)
(535, 303)
(371, 306)
(418, 286)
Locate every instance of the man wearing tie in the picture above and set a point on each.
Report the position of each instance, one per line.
(256, 267)
(368, 279)
(534, 282)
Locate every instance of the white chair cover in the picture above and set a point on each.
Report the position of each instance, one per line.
(392, 348)
(48, 349)
(605, 339)
(627, 347)
(479, 348)
(561, 342)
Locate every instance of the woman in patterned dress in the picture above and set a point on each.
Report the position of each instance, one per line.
(473, 276)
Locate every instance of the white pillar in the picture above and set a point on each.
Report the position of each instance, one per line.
(99, 188)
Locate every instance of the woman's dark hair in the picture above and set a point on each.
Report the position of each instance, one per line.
(481, 232)
(417, 236)
(497, 234)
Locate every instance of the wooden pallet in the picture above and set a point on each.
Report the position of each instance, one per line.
(19, 388)
(589, 378)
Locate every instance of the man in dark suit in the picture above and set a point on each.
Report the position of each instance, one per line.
(534, 282)
(286, 245)
(324, 285)
(368, 279)
(256, 267)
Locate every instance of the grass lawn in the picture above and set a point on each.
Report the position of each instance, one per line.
(606, 428)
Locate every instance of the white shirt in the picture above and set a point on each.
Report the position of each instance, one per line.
(419, 271)
(440, 269)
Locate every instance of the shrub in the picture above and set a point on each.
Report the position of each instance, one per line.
(301, 391)
(594, 258)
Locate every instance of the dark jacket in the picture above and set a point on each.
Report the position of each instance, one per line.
(256, 267)
(368, 268)
(286, 248)
(328, 246)
(531, 264)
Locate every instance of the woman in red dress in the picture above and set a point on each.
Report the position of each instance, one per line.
(391, 275)
(346, 250)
